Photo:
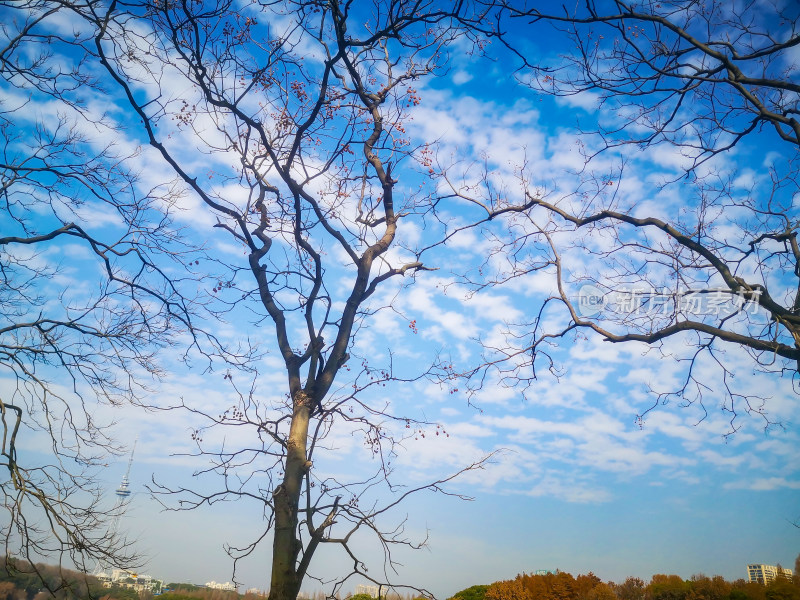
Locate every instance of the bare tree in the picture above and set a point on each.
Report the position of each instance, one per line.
(298, 111)
(699, 83)
(701, 75)
(85, 304)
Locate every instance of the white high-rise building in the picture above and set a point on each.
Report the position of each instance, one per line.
(766, 573)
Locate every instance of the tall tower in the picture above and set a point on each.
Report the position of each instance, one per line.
(122, 493)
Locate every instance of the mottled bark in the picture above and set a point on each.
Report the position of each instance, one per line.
(286, 546)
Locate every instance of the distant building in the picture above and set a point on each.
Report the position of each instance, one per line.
(369, 590)
(227, 586)
(766, 573)
(129, 579)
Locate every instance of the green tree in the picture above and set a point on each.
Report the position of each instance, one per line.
(122, 593)
(667, 587)
(475, 592)
(705, 588)
(183, 586)
(745, 590)
(782, 588)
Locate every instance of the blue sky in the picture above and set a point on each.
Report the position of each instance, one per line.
(578, 483)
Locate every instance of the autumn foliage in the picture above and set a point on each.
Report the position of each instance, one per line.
(551, 586)
(563, 586)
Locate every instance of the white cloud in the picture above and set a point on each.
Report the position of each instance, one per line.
(587, 101)
(557, 486)
(764, 484)
(461, 77)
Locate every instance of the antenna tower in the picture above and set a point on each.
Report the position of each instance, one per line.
(122, 493)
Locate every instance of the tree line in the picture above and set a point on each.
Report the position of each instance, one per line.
(564, 586)
(187, 591)
(21, 580)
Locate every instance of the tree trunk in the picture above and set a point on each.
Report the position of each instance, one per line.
(286, 582)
